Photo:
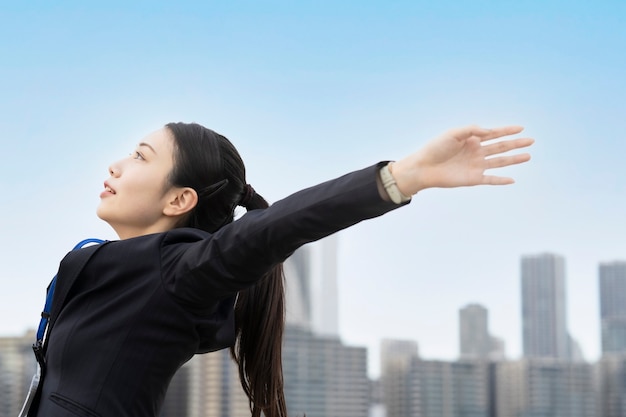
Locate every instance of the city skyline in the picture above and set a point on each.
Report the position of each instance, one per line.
(308, 91)
(323, 375)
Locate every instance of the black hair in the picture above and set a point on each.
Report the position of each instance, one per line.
(209, 163)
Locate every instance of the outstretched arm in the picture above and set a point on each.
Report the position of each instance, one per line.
(459, 158)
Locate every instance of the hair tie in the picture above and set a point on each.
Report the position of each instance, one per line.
(247, 195)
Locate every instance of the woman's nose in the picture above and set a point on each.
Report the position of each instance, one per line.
(114, 170)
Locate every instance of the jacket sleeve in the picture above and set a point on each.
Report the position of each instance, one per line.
(237, 255)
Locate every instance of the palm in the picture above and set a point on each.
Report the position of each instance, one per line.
(455, 163)
(460, 157)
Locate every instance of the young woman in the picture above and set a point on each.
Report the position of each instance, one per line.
(184, 278)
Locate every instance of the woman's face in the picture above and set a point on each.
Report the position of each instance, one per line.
(137, 192)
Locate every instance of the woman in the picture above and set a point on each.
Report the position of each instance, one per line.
(184, 278)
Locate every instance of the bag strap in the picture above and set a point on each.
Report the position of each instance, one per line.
(55, 298)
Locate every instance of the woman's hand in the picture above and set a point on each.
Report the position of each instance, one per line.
(458, 158)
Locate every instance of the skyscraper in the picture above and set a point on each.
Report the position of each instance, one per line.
(298, 295)
(323, 377)
(612, 385)
(326, 299)
(451, 389)
(475, 340)
(17, 366)
(613, 306)
(543, 307)
(398, 389)
(474, 332)
(312, 289)
(544, 387)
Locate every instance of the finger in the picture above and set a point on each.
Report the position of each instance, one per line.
(495, 180)
(507, 145)
(466, 132)
(498, 132)
(505, 161)
(463, 133)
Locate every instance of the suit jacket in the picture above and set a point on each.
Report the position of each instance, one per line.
(142, 307)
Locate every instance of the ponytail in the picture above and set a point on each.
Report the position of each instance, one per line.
(259, 327)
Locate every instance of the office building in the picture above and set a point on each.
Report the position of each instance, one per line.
(399, 391)
(612, 385)
(17, 366)
(451, 389)
(543, 307)
(474, 332)
(214, 387)
(326, 293)
(323, 377)
(544, 387)
(613, 306)
(474, 337)
(298, 288)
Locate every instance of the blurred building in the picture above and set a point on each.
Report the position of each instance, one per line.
(323, 377)
(613, 306)
(17, 367)
(452, 389)
(398, 385)
(474, 337)
(612, 385)
(214, 387)
(298, 288)
(413, 387)
(544, 388)
(325, 296)
(544, 324)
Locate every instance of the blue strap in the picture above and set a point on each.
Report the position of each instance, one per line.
(45, 315)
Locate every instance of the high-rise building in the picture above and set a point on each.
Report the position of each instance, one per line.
(323, 377)
(298, 282)
(543, 307)
(544, 387)
(213, 387)
(312, 288)
(326, 296)
(474, 332)
(612, 385)
(17, 366)
(451, 389)
(474, 337)
(613, 306)
(398, 388)
(413, 387)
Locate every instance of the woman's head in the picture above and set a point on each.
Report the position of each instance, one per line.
(138, 198)
(183, 175)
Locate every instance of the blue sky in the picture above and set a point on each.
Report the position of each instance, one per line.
(308, 91)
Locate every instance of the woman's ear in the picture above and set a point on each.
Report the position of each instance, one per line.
(180, 201)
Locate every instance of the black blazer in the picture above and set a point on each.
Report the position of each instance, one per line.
(142, 307)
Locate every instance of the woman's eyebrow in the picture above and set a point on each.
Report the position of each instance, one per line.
(145, 144)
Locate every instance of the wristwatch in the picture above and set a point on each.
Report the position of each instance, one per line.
(390, 186)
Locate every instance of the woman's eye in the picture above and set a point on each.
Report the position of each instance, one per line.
(137, 155)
